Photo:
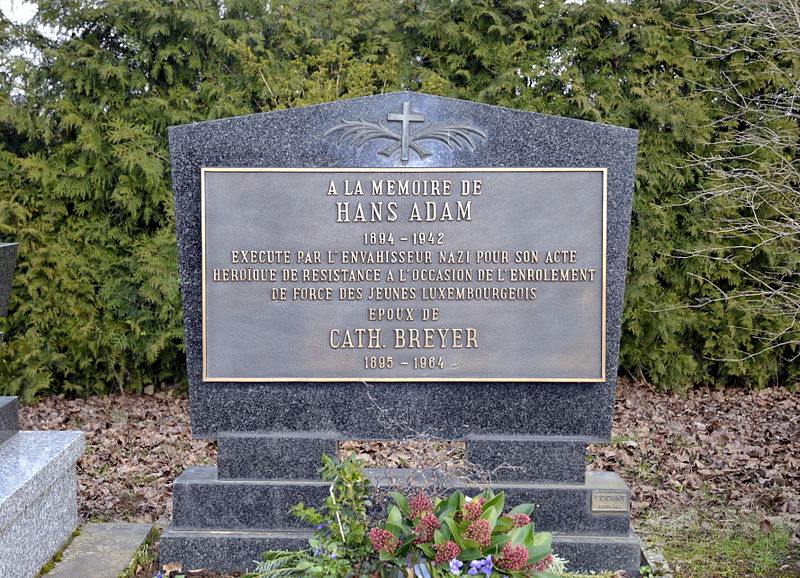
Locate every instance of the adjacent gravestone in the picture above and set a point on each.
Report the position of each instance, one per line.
(396, 264)
(38, 490)
(9, 421)
(8, 257)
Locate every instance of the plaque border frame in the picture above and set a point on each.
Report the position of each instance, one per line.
(603, 345)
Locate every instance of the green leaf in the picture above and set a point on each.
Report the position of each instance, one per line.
(455, 501)
(543, 539)
(394, 517)
(491, 514)
(526, 509)
(497, 502)
(427, 550)
(503, 525)
(468, 554)
(397, 530)
(455, 532)
(401, 501)
(499, 540)
(470, 544)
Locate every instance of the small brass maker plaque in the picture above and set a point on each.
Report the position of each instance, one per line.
(610, 502)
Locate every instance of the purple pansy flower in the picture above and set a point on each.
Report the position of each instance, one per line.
(484, 566)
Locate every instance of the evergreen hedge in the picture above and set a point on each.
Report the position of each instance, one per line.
(84, 167)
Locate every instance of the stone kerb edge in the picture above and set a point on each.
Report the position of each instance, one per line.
(33, 537)
(37, 457)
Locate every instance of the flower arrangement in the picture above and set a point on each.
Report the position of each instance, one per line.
(462, 536)
(420, 537)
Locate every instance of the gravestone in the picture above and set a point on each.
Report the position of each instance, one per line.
(9, 421)
(38, 489)
(397, 264)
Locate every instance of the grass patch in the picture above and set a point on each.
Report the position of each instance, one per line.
(719, 542)
(146, 555)
(58, 556)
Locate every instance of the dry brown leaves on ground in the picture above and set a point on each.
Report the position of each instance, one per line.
(733, 447)
(136, 445)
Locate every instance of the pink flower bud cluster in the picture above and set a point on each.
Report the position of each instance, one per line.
(518, 519)
(382, 540)
(419, 505)
(514, 557)
(426, 527)
(521, 520)
(480, 531)
(542, 564)
(474, 509)
(446, 552)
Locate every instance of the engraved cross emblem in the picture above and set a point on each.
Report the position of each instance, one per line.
(406, 117)
(452, 134)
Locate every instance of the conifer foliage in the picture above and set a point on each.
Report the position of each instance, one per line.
(88, 90)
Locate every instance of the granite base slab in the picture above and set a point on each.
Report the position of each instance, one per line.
(38, 499)
(220, 551)
(567, 508)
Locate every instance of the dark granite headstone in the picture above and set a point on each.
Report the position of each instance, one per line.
(286, 356)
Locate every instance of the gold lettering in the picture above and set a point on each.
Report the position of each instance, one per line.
(358, 338)
(561, 257)
(431, 338)
(359, 214)
(357, 190)
(431, 211)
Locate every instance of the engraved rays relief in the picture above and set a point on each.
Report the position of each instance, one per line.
(454, 135)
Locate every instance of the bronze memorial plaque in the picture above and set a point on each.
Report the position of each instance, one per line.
(404, 274)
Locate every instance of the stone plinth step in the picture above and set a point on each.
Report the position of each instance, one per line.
(594, 553)
(556, 459)
(598, 506)
(601, 505)
(201, 500)
(38, 498)
(274, 456)
(225, 551)
(296, 456)
(101, 551)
